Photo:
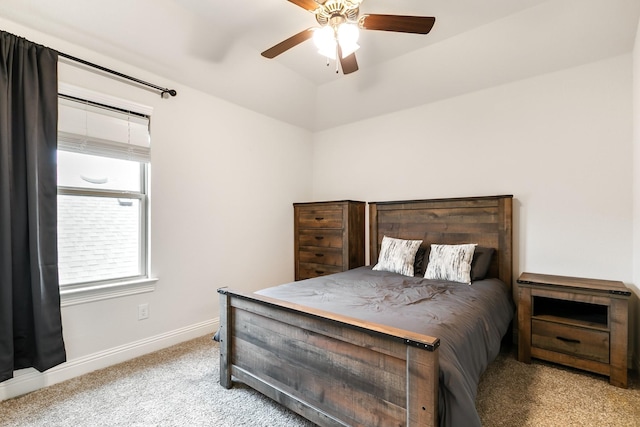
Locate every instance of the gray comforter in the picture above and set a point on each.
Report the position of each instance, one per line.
(470, 321)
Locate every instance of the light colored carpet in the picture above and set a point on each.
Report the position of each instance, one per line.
(179, 386)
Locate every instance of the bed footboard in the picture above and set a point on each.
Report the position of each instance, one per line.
(331, 369)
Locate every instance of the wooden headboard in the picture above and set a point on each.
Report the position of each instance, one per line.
(486, 221)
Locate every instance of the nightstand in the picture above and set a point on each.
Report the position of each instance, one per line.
(573, 321)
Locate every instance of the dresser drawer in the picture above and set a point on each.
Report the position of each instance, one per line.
(325, 238)
(326, 256)
(329, 237)
(320, 218)
(575, 341)
(308, 270)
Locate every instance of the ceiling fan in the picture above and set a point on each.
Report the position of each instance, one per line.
(337, 36)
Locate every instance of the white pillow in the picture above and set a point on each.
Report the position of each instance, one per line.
(397, 255)
(450, 262)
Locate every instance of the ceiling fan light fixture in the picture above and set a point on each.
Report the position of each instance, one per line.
(325, 40)
(328, 52)
(348, 35)
(348, 48)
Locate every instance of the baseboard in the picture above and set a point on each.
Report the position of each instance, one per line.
(28, 380)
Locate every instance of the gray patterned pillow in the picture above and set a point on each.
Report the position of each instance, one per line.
(397, 255)
(450, 262)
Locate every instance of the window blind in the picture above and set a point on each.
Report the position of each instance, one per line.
(88, 128)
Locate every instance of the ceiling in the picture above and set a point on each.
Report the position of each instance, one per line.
(214, 46)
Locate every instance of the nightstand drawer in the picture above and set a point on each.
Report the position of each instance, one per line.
(325, 256)
(320, 238)
(575, 341)
(309, 270)
(320, 218)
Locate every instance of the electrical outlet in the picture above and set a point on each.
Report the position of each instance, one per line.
(143, 311)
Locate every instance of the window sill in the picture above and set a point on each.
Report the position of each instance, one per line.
(91, 293)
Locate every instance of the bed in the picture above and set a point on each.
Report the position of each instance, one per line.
(341, 362)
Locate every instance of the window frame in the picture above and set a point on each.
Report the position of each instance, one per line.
(94, 290)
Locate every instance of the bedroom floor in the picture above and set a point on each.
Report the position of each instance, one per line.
(179, 386)
(511, 393)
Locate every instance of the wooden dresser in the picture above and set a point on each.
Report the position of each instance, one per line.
(329, 237)
(582, 323)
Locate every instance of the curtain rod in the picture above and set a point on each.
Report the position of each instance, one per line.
(99, 104)
(162, 90)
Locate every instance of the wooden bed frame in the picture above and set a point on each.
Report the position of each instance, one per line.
(339, 371)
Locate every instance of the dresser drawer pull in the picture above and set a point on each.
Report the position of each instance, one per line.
(319, 255)
(319, 272)
(570, 340)
(319, 218)
(319, 237)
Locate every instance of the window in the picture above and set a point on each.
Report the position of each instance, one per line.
(103, 171)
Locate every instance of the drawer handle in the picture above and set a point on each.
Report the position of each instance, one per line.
(319, 237)
(570, 340)
(319, 255)
(319, 218)
(319, 272)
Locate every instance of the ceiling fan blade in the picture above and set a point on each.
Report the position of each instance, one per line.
(397, 23)
(287, 44)
(348, 63)
(309, 5)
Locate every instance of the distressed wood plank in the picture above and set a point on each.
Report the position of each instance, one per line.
(486, 221)
(225, 341)
(619, 321)
(422, 388)
(294, 403)
(379, 337)
(326, 380)
(370, 371)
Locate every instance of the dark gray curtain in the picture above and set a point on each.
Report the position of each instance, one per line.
(30, 322)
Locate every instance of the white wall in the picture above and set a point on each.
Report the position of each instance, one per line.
(223, 181)
(636, 191)
(561, 143)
